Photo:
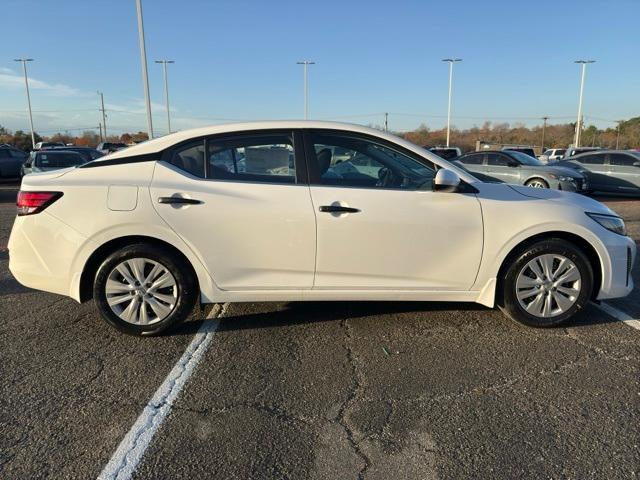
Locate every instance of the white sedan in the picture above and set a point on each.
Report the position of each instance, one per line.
(297, 210)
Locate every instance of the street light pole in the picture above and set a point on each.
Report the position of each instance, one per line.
(386, 122)
(618, 133)
(104, 116)
(166, 91)
(583, 63)
(450, 61)
(306, 64)
(143, 59)
(26, 85)
(544, 127)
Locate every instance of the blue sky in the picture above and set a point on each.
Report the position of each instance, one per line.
(236, 60)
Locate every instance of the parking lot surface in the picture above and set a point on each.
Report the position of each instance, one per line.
(323, 390)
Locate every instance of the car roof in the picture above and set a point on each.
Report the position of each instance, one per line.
(56, 152)
(160, 143)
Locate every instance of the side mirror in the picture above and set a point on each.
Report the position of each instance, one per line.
(446, 181)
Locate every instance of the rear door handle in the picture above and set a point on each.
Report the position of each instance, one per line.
(179, 201)
(337, 209)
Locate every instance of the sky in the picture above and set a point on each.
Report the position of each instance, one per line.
(236, 60)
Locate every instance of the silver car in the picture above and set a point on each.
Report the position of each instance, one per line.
(611, 171)
(509, 166)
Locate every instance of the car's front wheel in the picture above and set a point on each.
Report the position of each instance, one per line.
(144, 289)
(537, 183)
(546, 283)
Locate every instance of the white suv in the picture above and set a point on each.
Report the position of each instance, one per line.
(318, 211)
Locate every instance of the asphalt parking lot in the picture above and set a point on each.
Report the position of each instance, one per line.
(322, 390)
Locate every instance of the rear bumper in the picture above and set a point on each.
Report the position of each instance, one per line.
(41, 252)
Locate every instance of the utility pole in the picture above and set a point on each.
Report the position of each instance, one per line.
(450, 61)
(618, 133)
(306, 64)
(26, 85)
(104, 116)
(544, 127)
(386, 122)
(100, 128)
(166, 91)
(143, 61)
(583, 63)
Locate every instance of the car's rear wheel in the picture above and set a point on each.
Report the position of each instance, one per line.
(537, 183)
(546, 283)
(144, 289)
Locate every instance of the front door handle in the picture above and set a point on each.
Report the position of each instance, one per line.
(337, 209)
(179, 201)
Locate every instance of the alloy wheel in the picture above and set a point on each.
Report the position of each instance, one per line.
(141, 291)
(548, 285)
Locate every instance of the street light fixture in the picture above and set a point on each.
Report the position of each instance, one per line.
(450, 61)
(26, 85)
(306, 64)
(166, 91)
(583, 63)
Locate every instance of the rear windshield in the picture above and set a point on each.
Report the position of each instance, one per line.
(58, 160)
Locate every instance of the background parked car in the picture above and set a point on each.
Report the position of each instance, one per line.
(46, 160)
(509, 166)
(108, 147)
(448, 153)
(552, 155)
(571, 151)
(87, 152)
(526, 150)
(10, 161)
(41, 145)
(614, 171)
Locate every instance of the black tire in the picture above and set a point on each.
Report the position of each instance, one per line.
(539, 180)
(185, 279)
(507, 293)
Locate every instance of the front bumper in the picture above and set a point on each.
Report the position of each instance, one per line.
(617, 280)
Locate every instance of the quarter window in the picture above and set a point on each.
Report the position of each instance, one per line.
(261, 158)
(353, 161)
(189, 158)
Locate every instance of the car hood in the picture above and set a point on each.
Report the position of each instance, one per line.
(558, 170)
(585, 203)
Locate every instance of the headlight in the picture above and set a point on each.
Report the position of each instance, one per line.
(610, 222)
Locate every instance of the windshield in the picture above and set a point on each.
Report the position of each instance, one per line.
(525, 159)
(58, 160)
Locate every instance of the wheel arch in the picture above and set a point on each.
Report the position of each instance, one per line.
(587, 248)
(103, 251)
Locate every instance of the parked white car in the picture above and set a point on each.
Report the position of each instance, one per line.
(319, 211)
(552, 155)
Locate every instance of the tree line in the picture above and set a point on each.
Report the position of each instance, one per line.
(625, 135)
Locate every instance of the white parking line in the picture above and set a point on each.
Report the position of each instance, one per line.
(619, 315)
(132, 447)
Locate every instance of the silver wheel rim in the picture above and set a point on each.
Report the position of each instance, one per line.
(548, 285)
(141, 291)
(536, 184)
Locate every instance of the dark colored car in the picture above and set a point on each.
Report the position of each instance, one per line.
(109, 147)
(519, 168)
(526, 150)
(46, 160)
(11, 160)
(87, 152)
(611, 171)
(448, 153)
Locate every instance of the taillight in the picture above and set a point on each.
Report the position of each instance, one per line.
(30, 203)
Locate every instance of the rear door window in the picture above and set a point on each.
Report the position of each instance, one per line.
(591, 160)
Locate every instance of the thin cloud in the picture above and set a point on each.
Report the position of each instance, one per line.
(9, 79)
